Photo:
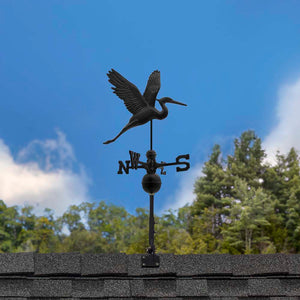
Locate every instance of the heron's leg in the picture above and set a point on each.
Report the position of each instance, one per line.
(126, 127)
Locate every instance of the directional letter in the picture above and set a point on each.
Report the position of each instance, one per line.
(187, 164)
(134, 158)
(162, 172)
(121, 166)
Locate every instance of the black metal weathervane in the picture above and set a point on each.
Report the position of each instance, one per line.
(143, 109)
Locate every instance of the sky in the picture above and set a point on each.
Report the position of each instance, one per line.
(236, 64)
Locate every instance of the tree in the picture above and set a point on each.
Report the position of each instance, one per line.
(138, 232)
(247, 161)
(10, 228)
(83, 241)
(27, 220)
(44, 238)
(248, 219)
(211, 193)
(282, 182)
(111, 222)
(72, 218)
(217, 192)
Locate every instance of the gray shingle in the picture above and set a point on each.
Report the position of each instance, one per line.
(191, 287)
(117, 288)
(148, 298)
(224, 298)
(284, 298)
(162, 287)
(51, 288)
(269, 263)
(241, 265)
(166, 267)
(255, 298)
(129, 298)
(293, 264)
(259, 264)
(126, 298)
(13, 298)
(14, 287)
(170, 298)
(227, 287)
(134, 298)
(201, 264)
(88, 288)
(16, 263)
(104, 264)
(291, 286)
(89, 298)
(196, 298)
(265, 287)
(57, 263)
(214, 270)
(50, 298)
(118, 298)
(187, 265)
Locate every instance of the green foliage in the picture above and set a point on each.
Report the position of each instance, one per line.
(254, 206)
(248, 219)
(243, 205)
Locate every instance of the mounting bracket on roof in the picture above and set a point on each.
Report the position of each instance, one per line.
(150, 261)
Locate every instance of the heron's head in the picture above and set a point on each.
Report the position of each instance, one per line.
(169, 100)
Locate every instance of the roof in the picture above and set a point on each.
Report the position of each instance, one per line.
(120, 276)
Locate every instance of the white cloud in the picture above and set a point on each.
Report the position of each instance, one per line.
(286, 133)
(49, 154)
(185, 191)
(42, 175)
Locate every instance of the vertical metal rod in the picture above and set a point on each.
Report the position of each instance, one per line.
(151, 224)
(151, 135)
(151, 216)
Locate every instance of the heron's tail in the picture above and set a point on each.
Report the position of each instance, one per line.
(128, 126)
(109, 141)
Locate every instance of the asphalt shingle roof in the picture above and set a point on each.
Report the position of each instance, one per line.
(120, 276)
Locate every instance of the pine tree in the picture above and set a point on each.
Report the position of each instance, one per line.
(248, 218)
(282, 182)
(247, 161)
(211, 194)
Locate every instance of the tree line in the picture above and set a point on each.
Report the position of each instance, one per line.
(242, 205)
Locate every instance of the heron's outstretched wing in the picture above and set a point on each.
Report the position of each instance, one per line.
(152, 88)
(127, 91)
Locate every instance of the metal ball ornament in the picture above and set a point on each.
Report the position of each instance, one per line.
(151, 183)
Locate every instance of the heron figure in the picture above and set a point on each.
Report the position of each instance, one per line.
(141, 106)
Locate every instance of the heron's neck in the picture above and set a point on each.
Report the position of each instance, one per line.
(164, 112)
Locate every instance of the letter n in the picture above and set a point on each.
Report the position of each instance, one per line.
(123, 167)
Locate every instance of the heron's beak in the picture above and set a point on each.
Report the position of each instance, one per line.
(176, 102)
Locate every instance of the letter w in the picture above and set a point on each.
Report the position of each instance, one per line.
(134, 158)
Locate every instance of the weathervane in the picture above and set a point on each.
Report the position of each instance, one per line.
(143, 109)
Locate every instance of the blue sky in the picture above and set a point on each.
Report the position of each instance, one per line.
(236, 64)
